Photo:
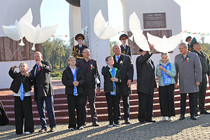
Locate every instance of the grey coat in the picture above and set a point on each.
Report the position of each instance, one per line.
(188, 72)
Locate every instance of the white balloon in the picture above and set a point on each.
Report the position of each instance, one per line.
(164, 44)
(12, 31)
(135, 28)
(17, 31)
(102, 28)
(37, 35)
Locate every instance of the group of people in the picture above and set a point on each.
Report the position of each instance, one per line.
(81, 79)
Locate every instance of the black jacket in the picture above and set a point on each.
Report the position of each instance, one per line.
(108, 84)
(90, 70)
(126, 51)
(68, 79)
(204, 62)
(145, 75)
(18, 78)
(42, 81)
(125, 69)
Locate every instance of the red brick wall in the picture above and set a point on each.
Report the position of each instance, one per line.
(11, 51)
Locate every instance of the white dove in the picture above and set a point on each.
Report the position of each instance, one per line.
(164, 44)
(102, 28)
(37, 35)
(17, 31)
(135, 28)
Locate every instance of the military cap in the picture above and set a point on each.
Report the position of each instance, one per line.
(123, 36)
(189, 37)
(79, 36)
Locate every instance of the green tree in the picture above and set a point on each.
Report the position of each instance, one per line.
(56, 51)
(205, 46)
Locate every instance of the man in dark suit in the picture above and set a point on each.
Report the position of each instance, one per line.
(145, 85)
(92, 78)
(124, 64)
(77, 50)
(125, 49)
(43, 91)
(205, 71)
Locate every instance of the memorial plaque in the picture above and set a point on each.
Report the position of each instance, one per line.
(154, 20)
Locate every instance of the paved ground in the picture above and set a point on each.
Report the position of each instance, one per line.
(176, 130)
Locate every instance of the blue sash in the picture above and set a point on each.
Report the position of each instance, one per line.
(22, 92)
(166, 79)
(75, 79)
(113, 72)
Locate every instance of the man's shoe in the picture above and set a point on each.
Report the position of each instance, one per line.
(205, 112)
(163, 118)
(117, 125)
(81, 127)
(95, 124)
(182, 117)
(170, 119)
(127, 122)
(52, 130)
(141, 122)
(150, 121)
(71, 129)
(193, 118)
(43, 129)
(27, 132)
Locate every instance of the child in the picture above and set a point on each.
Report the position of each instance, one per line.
(21, 86)
(111, 90)
(73, 79)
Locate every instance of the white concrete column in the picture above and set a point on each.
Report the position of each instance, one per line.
(74, 21)
(99, 48)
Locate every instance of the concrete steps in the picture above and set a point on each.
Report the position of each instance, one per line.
(61, 108)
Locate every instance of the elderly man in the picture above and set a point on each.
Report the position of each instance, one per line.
(43, 91)
(189, 71)
(92, 78)
(124, 64)
(145, 85)
(205, 71)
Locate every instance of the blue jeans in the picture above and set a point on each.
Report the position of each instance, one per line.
(48, 101)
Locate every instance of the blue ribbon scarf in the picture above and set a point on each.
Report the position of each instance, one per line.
(22, 92)
(166, 79)
(113, 72)
(75, 79)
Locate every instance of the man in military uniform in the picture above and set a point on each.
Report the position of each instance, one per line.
(77, 50)
(125, 49)
(205, 71)
(189, 40)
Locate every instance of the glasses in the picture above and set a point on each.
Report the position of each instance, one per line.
(181, 48)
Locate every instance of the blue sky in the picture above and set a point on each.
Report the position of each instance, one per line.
(195, 15)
